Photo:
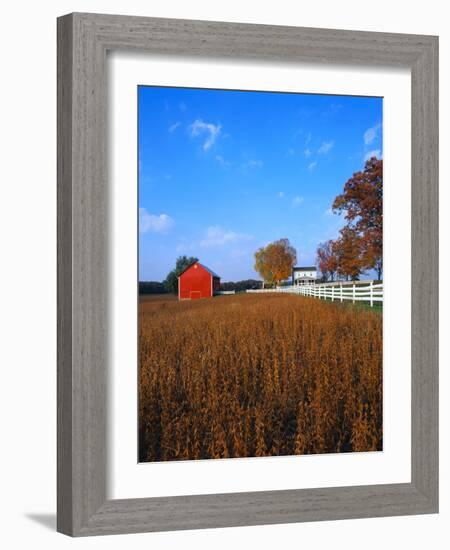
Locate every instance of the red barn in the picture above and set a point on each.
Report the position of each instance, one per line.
(197, 281)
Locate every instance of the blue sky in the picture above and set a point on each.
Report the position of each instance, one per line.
(222, 173)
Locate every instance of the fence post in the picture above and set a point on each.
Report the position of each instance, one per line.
(332, 293)
(353, 292)
(371, 293)
(341, 291)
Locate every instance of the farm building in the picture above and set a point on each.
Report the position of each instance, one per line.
(197, 281)
(304, 275)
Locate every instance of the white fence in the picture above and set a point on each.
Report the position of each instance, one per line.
(366, 291)
(224, 292)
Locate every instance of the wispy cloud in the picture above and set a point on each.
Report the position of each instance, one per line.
(375, 153)
(224, 163)
(253, 163)
(325, 147)
(212, 131)
(329, 212)
(307, 152)
(153, 223)
(174, 126)
(218, 236)
(297, 201)
(371, 133)
(332, 109)
(312, 165)
(280, 194)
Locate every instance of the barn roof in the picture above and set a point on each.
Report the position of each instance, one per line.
(210, 271)
(201, 265)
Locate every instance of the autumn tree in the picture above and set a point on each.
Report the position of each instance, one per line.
(327, 260)
(274, 262)
(171, 281)
(362, 204)
(347, 250)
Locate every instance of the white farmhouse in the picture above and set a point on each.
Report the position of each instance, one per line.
(304, 275)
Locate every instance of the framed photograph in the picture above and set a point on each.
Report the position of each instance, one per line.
(247, 274)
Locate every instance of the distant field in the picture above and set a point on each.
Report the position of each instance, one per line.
(144, 298)
(257, 375)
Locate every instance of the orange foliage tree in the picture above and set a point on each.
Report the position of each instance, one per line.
(347, 251)
(362, 203)
(327, 260)
(274, 262)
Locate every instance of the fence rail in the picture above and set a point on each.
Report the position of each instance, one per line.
(369, 292)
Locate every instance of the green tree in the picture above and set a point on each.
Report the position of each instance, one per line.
(171, 281)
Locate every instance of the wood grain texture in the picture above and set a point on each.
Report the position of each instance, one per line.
(83, 40)
(425, 272)
(64, 267)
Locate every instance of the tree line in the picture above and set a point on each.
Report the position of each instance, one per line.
(241, 286)
(152, 287)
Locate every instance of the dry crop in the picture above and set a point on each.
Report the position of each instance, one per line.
(257, 375)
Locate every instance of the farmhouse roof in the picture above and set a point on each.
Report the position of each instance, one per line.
(201, 265)
(313, 268)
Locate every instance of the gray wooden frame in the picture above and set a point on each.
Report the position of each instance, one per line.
(83, 40)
